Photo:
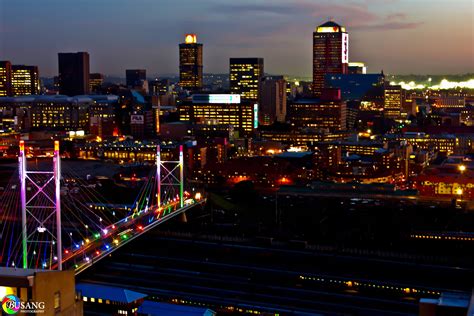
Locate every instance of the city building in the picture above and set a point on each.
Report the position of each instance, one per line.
(450, 102)
(392, 101)
(109, 300)
(17, 80)
(52, 291)
(25, 80)
(73, 73)
(190, 63)
(445, 143)
(58, 112)
(330, 53)
(329, 113)
(96, 80)
(245, 77)
(357, 68)
(360, 87)
(272, 100)
(447, 181)
(136, 79)
(218, 109)
(5, 78)
(159, 87)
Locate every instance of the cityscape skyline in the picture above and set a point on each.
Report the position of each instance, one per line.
(262, 29)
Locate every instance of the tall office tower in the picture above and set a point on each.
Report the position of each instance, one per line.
(73, 73)
(392, 101)
(25, 80)
(96, 80)
(5, 78)
(190, 63)
(272, 100)
(245, 77)
(330, 53)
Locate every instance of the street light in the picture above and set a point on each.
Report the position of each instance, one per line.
(462, 168)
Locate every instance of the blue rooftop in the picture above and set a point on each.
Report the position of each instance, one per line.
(138, 96)
(158, 308)
(114, 294)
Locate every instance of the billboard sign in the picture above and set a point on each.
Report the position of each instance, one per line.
(137, 119)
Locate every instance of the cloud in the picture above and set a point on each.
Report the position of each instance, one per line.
(354, 15)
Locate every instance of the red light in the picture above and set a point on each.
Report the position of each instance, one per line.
(140, 227)
(66, 251)
(97, 252)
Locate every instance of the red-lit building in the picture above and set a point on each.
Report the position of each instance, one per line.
(446, 182)
(330, 53)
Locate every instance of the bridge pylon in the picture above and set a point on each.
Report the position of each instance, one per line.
(40, 195)
(170, 177)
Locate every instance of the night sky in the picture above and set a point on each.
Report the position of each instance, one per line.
(398, 36)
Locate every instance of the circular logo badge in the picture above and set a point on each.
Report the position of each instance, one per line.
(11, 304)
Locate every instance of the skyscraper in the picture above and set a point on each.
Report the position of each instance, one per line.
(190, 63)
(330, 53)
(73, 73)
(245, 77)
(273, 100)
(392, 101)
(5, 78)
(25, 80)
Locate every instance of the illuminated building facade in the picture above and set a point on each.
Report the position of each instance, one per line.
(437, 143)
(68, 114)
(58, 112)
(330, 53)
(221, 110)
(96, 80)
(300, 138)
(5, 78)
(450, 102)
(329, 113)
(245, 77)
(73, 73)
(449, 183)
(25, 80)
(190, 63)
(392, 101)
(273, 100)
(18, 80)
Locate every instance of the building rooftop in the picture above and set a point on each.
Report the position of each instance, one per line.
(158, 308)
(60, 98)
(330, 27)
(105, 292)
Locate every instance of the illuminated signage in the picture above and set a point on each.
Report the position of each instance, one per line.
(136, 119)
(216, 98)
(255, 115)
(345, 48)
(190, 39)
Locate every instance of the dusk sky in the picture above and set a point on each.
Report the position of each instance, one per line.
(398, 36)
